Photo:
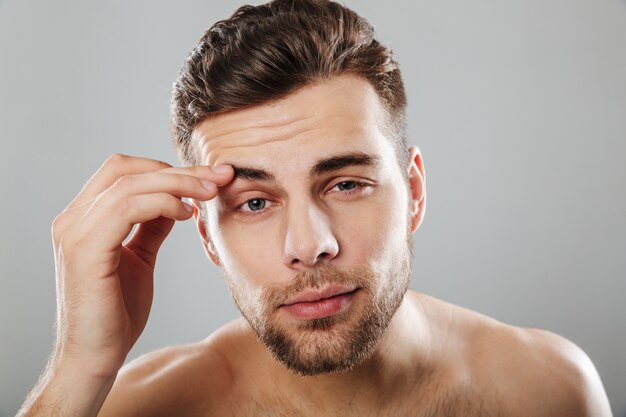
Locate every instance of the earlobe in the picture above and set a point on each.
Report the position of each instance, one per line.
(207, 244)
(417, 185)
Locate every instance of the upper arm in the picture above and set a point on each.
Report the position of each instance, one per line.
(178, 381)
(588, 391)
(536, 373)
(578, 389)
(137, 390)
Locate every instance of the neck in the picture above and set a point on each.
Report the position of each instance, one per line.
(402, 355)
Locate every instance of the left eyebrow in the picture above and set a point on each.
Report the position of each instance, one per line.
(343, 160)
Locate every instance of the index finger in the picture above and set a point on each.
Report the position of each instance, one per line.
(220, 175)
(113, 168)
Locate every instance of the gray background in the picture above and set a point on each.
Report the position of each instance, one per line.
(519, 107)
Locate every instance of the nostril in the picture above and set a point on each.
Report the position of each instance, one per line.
(323, 256)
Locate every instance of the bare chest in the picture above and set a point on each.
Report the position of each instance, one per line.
(448, 404)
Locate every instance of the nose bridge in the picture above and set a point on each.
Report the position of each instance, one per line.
(309, 237)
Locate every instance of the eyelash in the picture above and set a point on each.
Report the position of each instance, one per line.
(358, 187)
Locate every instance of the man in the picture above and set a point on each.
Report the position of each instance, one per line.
(290, 120)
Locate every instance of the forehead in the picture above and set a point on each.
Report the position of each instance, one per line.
(339, 114)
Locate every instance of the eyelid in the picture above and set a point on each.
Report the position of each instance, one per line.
(238, 208)
(360, 184)
(361, 187)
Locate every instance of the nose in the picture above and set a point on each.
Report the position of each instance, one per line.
(309, 239)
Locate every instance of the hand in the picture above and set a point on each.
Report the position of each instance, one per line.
(104, 287)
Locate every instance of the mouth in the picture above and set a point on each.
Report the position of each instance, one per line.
(317, 304)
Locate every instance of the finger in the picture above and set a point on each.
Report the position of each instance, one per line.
(147, 241)
(174, 181)
(178, 185)
(107, 225)
(67, 218)
(220, 174)
(113, 168)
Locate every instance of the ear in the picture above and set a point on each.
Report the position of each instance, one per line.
(417, 185)
(207, 244)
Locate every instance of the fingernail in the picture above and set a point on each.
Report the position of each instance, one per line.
(208, 185)
(221, 169)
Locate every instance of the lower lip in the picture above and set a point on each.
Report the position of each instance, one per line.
(322, 308)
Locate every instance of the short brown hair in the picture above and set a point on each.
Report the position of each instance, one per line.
(263, 53)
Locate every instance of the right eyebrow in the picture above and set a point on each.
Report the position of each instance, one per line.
(337, 162)
(253, 174)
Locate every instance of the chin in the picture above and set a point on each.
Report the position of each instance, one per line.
(332, 344)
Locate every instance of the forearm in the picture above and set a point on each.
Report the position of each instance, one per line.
(66, 391)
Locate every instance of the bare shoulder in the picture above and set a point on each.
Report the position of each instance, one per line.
(508, 370)
(542, 372)
(524, 371)
(182, 380)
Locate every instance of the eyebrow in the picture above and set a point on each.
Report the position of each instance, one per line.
(322, 166)
(253, 174)
(343, 160)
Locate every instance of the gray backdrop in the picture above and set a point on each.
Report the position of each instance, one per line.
(519, 107)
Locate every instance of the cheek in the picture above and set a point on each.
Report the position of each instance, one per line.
(370, 232)
(377, 230)
(249, 251)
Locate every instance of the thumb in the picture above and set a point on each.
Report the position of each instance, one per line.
(149, 237)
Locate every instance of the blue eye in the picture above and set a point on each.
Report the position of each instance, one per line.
(347, 185)
(256, 204)
(350, 189)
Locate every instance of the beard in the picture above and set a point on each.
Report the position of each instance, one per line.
(329, 344)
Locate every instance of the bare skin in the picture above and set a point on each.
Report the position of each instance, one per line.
(472, 366)
(104, 288)
(434, 359)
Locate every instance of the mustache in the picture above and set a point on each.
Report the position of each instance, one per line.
(277, 295)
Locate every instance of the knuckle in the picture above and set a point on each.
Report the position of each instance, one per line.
(57, 226)
(115, 159)
(58, 220)
(125, 182)
(113, 162)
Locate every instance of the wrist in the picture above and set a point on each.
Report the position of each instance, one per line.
(83, 366)
(65, 390)
(84, 393)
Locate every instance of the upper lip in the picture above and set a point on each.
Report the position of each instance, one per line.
(312, 295)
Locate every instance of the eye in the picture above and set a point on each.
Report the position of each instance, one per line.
(350, 187)
(255, 204)
(347, 185)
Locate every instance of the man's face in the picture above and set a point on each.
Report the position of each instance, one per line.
(313, 234)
